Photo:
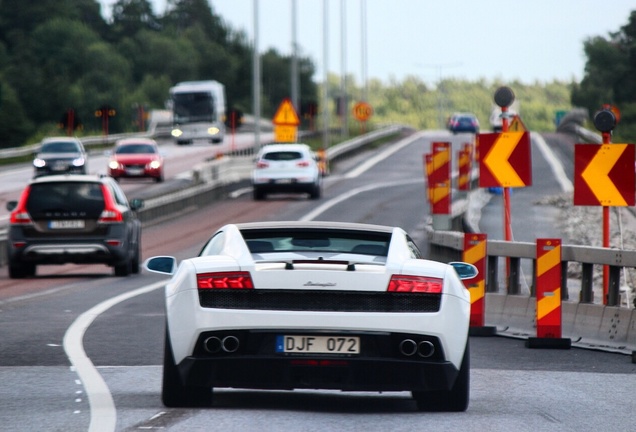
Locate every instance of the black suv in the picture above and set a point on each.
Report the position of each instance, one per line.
(79, 219)
(60, 155)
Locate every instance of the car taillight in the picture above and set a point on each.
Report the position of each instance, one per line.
(261, 164)
(232, 280)
(415, 284)
(302, 164)
(20, 215)
(110, 214)
(20, 218)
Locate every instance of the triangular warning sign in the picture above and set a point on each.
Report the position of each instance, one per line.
(286, 115)
(516, 125)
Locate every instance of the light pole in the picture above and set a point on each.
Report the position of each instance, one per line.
(294, 61)
(325, 74)
(256, 82)
(440, 91)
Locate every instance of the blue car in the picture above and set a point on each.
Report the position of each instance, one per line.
(463, 122)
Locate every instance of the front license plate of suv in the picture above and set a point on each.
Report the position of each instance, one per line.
(310, 344)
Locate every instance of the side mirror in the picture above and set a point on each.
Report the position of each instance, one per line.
(464, 270)
(161, 264)
(11, 205)
(136, 204)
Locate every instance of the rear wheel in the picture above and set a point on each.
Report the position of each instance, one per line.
(21, 270)
(455, 399)
(174, 394)
(258, 194)
(136, 258)
(315, 192)
(124, 268)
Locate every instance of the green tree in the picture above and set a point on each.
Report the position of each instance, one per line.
(610, 76)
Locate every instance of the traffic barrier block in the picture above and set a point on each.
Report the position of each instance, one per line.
(475, 253)
(587, 323)
(518, 315)
(548, 302)
(615, 325)
(568, 315)
(495, 303)
(439, 179)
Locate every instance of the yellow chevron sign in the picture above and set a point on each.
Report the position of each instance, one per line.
(596, 175)
(499, 162)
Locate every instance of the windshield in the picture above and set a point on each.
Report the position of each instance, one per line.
(135, 149)
(60, 147)
(193, 107)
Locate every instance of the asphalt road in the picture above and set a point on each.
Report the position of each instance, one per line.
(513, 387)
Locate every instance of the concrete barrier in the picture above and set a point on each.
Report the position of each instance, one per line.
(589, 326)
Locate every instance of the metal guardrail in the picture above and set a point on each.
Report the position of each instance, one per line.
(448, 245)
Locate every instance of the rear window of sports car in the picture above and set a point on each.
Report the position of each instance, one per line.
(333, 241)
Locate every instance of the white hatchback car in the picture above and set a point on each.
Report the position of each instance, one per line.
(286, 168)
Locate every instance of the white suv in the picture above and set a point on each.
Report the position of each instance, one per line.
(286, 168)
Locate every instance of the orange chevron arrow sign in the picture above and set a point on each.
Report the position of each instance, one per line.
(604, 175)
(505, 160)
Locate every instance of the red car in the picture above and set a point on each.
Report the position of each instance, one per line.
(136, 158)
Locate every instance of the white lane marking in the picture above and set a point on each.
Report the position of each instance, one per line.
(102, 407)
(332, 202)
(381, 156)
(555, 164)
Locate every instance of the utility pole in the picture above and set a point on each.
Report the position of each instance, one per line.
(256, 82)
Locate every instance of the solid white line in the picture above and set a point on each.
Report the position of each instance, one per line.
(102, 407)
(332, 202)
(555, 164)
(381, 156)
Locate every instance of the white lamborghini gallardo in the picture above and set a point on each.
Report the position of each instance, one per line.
(315, 305)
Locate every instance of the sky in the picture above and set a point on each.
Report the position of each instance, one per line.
(504, 40)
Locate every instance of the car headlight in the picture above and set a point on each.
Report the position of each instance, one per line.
(213, 130)
(39, 163)
(155, 164)
(176, 132)
(78, 162)
(113, 165)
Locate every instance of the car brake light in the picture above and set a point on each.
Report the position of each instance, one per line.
(110, 214)
(20, 215)
(302, 164)
(231, 280)
(261, 164)
(415, 284)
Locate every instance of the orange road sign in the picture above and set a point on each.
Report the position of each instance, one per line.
(286, 115)
(516, 125)
(362, 111)
(604, 175)
(283, 133)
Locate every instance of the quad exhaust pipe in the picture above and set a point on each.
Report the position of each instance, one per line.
(215, 345)
(409, 347)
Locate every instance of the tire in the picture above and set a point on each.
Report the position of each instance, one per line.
(454, 400)
(136, 259)
(258, 194)
(124, 268)
(174, 394)
(21, 270)
(315, 192)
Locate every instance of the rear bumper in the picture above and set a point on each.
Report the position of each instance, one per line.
(380, 366)
(293, 186)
